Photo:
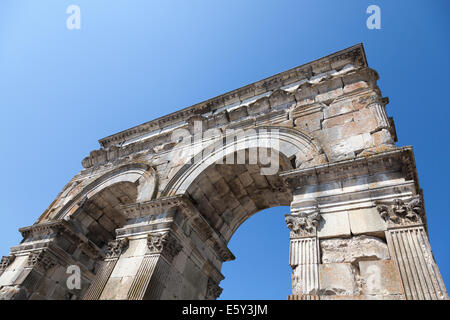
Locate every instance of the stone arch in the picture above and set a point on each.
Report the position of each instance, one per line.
(351, 208)
(140, 174)
(228, 194)
(96, 210)
(292, 145)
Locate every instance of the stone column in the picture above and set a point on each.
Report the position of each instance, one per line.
(115, 249)
(378, 109)
(409, 246)
(304, 253)
(149, 281)
(171, 252)
(135, 267)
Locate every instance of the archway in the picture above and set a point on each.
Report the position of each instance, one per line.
(261, 247)
(355, 200)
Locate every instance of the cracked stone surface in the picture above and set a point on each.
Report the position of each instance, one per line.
(359, 248)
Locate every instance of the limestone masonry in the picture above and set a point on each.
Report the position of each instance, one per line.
(142, 222)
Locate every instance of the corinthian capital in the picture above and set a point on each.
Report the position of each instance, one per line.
(164, 243)
(400, 212)
(303, 224)
(116, 247)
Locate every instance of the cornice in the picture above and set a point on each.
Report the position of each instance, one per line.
(355, 53)
(395, 160)
(205, 231)
(43, 230)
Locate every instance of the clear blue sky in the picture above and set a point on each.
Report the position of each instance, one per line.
(133, 61)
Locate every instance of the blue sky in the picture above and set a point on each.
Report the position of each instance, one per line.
(132, 61)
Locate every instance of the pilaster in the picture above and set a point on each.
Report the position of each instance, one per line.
(304, 251)
(409, 245)
(37, 268)
(171, 253)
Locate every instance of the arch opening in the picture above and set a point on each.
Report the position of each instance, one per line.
(228, 194)
(99, 216)
(261, 247)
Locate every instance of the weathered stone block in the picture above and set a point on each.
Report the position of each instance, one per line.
(366, 221)
(346, 148)
(306, 91)
(338, 108)
(334, 224)
(136, 248)
(336, 279)
(237, 113)
(117, 288)
(355, 86)
(260, 106)
(380, 278)
(338, 120)
(329, 96)
(310, 122)
(354, 249)
(382, 137)
(126, 267)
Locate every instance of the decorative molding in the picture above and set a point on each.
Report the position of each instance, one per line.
(399, 212)
(41, 259)
(164, 243)
(155, 206)
(61, 227)
(400, 159)
(213, 291)
(224, 253)
(193, 218)
(354, 55)
(6, 261)
(43, 229)
(303, 224)
(116, 247)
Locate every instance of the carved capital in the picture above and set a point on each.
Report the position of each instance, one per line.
(213, 290)
(400, 212)
(164, 243)
(41, 259)
(6, 261)
(303, 224)
(116, 247)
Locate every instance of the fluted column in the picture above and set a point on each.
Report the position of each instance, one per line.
(408, 244)
(149, 281)
(115, 249)
(304, 253)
